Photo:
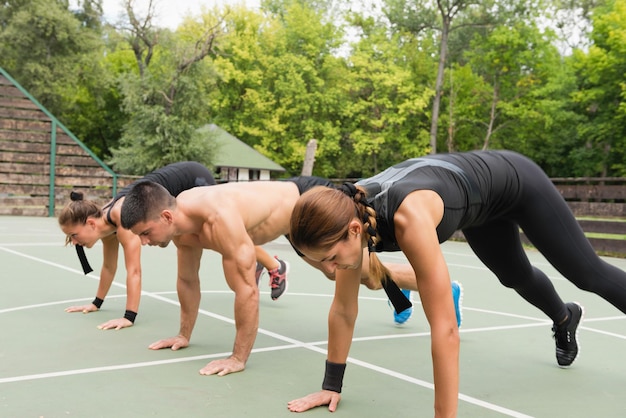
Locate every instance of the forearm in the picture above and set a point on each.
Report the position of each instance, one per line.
(246, 322)
(133, 291)
(189, 298)
(445, 353)
(340, 331)
(106, 279)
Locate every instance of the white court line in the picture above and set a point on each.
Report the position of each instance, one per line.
(128, 366)
(599, 331)
(33, 244)
(59, 302)
(293, 343)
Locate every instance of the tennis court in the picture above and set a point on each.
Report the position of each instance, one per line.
(57, 364)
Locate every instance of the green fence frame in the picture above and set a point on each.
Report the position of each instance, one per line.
(53, 145)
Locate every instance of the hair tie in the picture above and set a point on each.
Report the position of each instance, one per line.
(349, 189)
(76, 196)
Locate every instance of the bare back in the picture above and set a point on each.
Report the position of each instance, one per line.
(261, 210)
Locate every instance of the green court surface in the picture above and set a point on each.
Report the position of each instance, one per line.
(55, 364)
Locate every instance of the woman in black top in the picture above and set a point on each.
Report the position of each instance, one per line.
(416, 205)
(84, 223)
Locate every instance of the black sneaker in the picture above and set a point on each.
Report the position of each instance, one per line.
(258, 273)
(278, 278)
(566, 337)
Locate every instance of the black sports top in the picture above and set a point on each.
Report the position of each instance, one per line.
(474, 187)
(176, 178)
(305, 183)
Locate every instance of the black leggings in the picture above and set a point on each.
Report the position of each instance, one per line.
(549, 224)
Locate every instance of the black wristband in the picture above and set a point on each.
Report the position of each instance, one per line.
(98, 302)
(333, 377)
(130, 315)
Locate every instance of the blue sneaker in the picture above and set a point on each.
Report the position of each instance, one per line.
(457, 295)
(402, 317)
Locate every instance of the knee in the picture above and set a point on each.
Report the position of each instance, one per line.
(583, 283)
(510, 282)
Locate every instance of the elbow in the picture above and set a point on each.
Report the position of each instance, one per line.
(447, 335)
(371, 284)
(347, 316)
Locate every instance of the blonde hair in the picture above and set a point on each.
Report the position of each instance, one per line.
(321, 217)
(77, 211)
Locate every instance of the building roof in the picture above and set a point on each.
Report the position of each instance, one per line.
(232, 152)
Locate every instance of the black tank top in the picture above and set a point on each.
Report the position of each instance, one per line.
(474, 186)
(176, 178)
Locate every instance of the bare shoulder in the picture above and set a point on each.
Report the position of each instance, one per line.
(425, 205)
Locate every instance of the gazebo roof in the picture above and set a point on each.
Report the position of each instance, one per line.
(233, 152)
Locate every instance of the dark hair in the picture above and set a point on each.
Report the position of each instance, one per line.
(77, 211)
(321, 216)
(145, 201)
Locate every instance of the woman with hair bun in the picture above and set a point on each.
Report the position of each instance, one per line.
(85, 223)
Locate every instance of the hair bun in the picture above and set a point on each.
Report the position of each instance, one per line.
(76, 196)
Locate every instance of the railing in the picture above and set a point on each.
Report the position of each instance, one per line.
(41, 161)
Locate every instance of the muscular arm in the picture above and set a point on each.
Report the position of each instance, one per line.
(239, 272)
(131, 244)
(341, 319)
(415, 227)
(228, 235)
(342, 315)
(188, 288)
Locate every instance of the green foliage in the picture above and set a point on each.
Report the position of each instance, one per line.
(505, 97)
(55, 54)
(279, 85)
(278, 77)
(165, 105)
(386, 115)
(172, 140)
(601, 95)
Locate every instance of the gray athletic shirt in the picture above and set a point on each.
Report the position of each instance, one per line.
(474, 186)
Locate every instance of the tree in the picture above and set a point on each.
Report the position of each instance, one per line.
(422, 17)
(514, 60)
(279, 85)
(56, 54)
(386, 116)
(602, 93)
(165, 97)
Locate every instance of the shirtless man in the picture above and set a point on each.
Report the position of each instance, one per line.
(222, 218)
(85, 223)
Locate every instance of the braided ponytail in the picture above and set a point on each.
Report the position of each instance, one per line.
(377, 271)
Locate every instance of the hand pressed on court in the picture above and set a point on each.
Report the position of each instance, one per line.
(116, 324)
(223, 367)
(173, 342)
(82, 308)
(323, 397)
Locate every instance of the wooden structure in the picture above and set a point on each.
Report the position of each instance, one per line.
(599, 204)
(41, 161)
(235, 160)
